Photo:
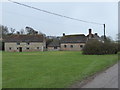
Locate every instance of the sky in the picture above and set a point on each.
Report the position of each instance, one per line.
(19, 17)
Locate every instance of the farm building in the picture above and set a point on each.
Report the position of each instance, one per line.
(21, 43)
(54, 45)
(37, 42)
(93, 36)
(76, 42)
(73, 42)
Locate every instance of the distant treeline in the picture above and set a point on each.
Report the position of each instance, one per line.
(4, 30)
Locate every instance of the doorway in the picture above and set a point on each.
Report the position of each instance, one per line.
(20, 49)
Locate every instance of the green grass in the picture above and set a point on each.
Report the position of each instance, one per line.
(0, 70)
(56, 69)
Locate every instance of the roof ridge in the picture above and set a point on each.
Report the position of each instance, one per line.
(76, 35)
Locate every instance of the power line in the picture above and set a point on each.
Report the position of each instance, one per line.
(54, 13)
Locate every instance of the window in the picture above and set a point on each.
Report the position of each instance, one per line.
(10, 48)
(27, 48)
(37, 47)
(28, 43)
(81, 46)
(71, 46)
(18, 43)
(55, 47)
(65, 46)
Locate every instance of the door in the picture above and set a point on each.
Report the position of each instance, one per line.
(20, 49)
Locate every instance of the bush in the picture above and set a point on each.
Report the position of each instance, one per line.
(95, 47)
(0, 45)
(118, 47)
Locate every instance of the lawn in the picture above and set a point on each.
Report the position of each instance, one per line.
(56, 69)
(0, 69)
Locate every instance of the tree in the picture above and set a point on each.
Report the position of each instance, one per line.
(22, 31)
(12, 30)
(107, 38)
(30, 30)
(95, 47)
(3, 30)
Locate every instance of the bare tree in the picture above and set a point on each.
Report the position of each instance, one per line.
(4, 30)
(12, 30)
(30, 30)
(22, 31)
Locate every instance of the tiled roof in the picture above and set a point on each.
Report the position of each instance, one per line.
(95, 37)
(54, 43)
(78, 38)
(23, 38)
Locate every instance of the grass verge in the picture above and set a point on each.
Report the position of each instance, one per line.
(56, 69)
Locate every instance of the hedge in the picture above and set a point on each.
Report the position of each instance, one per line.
(95, 47)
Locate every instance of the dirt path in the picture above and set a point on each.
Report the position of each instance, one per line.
(106, 79)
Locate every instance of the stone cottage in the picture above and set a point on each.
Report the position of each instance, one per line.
(24, 43)
(54, 45)
(73, 42)
(93, 36)
(76, 42)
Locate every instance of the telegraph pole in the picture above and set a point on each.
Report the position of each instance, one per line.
(104, 32)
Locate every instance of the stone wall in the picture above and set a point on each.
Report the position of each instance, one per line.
(33, 46)
(72, 46)
(53, 49)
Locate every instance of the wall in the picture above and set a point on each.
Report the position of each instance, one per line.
(32, 46)
(52, 49)
(76, 46)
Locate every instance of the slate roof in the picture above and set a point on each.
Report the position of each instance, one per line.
(78, 38)
(23, 38)
(54, 43)
(95, 37)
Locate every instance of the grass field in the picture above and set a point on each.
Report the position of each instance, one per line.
(0, 70)
(56, 69)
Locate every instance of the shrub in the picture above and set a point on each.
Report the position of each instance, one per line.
(95, 47)
(0, 45)
(118, 47)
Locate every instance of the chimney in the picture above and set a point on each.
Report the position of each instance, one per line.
(96, 34)
(90, 31)
(63, 34)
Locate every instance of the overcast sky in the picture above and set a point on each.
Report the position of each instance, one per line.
(18, 17)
